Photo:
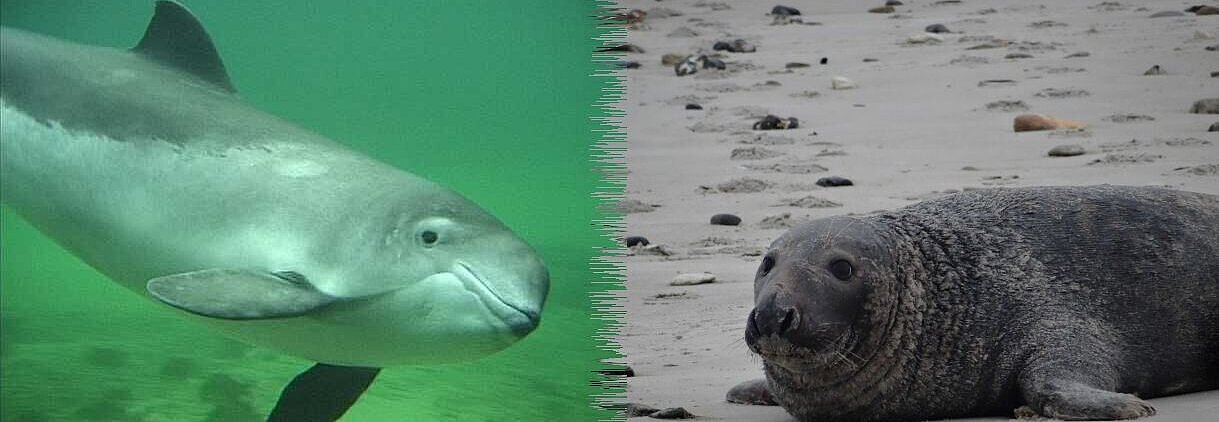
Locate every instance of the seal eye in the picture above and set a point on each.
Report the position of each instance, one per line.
(841, 269)
(429, 238)
(768, 263)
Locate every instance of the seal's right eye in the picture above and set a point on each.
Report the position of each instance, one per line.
(767, 264)
(841, 269)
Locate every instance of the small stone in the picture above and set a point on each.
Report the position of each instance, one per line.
(1078, 54)
(870, 60)
(937, 29)
(996, 82)
(795, 65)
(712, 63)
(626, 48)
(773, 122)
(1166, 14)
(1127, 118)
(635, 410)
(882, 9)
(1205, 106)
(736, 46)
(825, 60)
(725, 220)
(1214, 127)
(1206, 10)
(693, 106)
(691, 279)
(1212, 48)
(624, 371)
(636, 241)
(1066, 151)
(1154, 70)
(834, 181)
(893, 3)
(839, 82)
(1036, 122)
(1018, 56)
(784, 11)
(673, 413)
(1007, 105)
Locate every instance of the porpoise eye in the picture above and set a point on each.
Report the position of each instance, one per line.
(841, 269)
(767, 264)
(429, 238)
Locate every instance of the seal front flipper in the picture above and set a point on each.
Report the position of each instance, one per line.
(322, 393)
(754, 392)
(239, 294)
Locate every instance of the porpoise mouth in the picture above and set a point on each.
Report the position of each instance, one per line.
(522, 321)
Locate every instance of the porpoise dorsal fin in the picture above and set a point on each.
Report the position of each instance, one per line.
(175, 38)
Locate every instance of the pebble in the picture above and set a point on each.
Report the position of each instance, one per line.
(635, 410)
(796, 65)
(893, 3)
(825, 60)
(1154, 70)
(839, 82)
(693, 106)
(627, 48)
(1205, 10)
(636, 241)
(725, 220)
(937, 29)
(1078, 54)
(1036, 122)
(673, 413)
(773, 122)
(870, 60)
(1214, 127)
(736, 46)
(834, 181)
(1066, 151)
(882, 9)
(691, 279)
(784, 11)
(1205, 106)
(1018, 56)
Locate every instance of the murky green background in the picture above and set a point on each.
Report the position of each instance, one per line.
(490, 98)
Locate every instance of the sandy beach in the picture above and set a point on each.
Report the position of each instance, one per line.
(929, 115)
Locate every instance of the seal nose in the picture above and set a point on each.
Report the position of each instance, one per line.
(773, 318)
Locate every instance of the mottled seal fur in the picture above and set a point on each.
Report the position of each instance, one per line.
(1078, 302)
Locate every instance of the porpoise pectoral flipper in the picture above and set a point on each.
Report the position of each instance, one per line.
(322, 393)
(239, 294)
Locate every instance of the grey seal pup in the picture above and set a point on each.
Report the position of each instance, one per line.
(1077, 302)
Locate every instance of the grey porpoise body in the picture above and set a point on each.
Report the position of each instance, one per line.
(147, 165)
(1074, 301)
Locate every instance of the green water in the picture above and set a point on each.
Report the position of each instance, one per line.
(490, 98)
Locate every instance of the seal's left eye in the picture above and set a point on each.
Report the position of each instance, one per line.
(841, 269)
(429, 237)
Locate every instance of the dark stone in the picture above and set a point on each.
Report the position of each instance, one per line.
(673, 413)
(1205, 106)
(624, 48)
(773, 122)
(725, 220)
(937, 29)
(1066, 151)
(693, 106)
(795, 65)
(625, 371)
(1154, 70)
(893, 3)
(1214, 127)
(834, 181)
(825, 60)
(1018, 56)
(736, 46)
(882, 9)
(784, 11)
(636, 240)
(712, 63)
(635, 410)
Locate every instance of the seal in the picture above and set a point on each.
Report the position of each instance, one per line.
(1077, 302)
(147, 165)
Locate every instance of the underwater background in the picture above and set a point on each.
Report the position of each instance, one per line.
(492, 99)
